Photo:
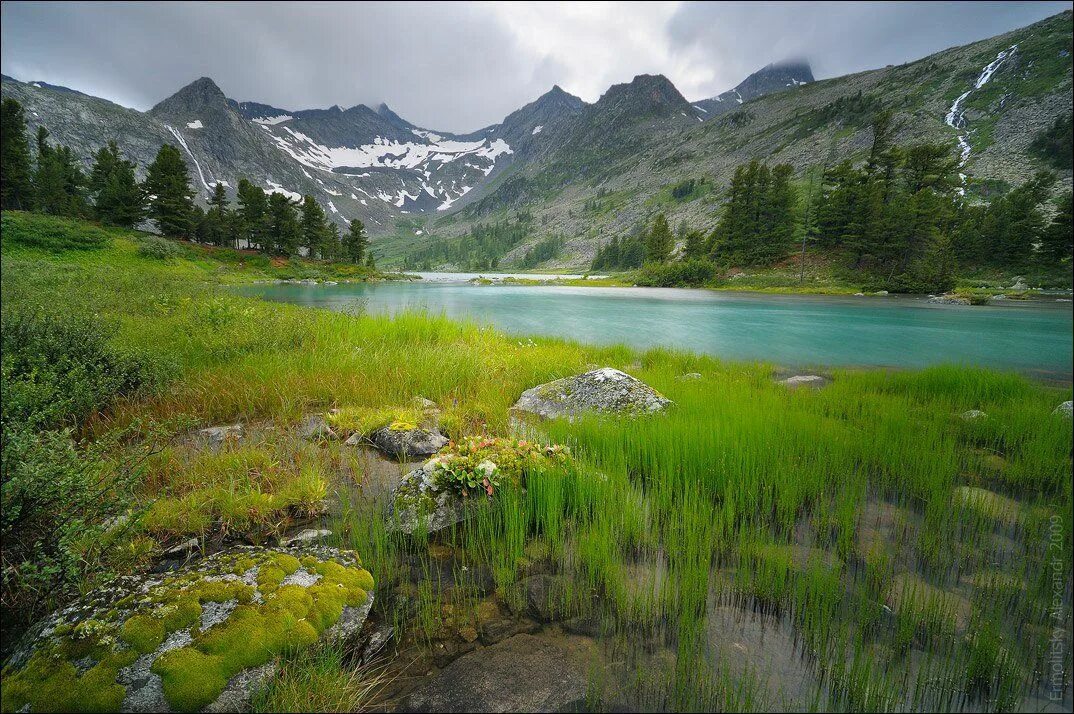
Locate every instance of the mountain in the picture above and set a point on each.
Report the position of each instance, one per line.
(776, 77)
(619, 161)
(584, 172)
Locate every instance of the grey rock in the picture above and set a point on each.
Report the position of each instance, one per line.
(185, 548)
(604, 390)
(804, 380)
(307, 535)
(689, 376)
(1065, 409)
(973, 415)
(314, 427)
(520, 674)
(544, 596)
(418, 503)
(215, 436)
(948, 300)
(405, 444)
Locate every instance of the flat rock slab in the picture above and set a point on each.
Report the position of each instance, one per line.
(606, 390)
(523, 673)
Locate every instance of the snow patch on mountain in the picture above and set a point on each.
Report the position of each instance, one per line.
(196, 124)
(537, 129)
(277, 188)
(273, 121)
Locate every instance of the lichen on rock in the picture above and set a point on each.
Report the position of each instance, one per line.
(604, 390)
(199, 638)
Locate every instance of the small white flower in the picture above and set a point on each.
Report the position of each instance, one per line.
(487, 467)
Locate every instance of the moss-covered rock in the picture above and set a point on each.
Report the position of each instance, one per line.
(445, 489)
(201, 638)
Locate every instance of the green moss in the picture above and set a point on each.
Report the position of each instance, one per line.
(143, 633)
(191, 679)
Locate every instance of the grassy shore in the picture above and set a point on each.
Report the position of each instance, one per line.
(909, 549)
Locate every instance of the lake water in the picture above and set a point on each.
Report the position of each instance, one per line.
(789, 330)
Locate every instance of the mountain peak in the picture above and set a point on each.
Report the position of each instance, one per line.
(645, 94)
(772, 78)
(201, 93)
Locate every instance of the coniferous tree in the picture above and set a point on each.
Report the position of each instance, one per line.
(660, 241)
(1056, 244)
(253, 214)
(58, 180)
(285, 233)
(171, 203)
(314, 227)
(694, 246)
(16, 174)
(333, 244)
(118, 198)
(218, 217)
(355, 243)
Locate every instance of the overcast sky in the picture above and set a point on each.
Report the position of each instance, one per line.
(461, 66)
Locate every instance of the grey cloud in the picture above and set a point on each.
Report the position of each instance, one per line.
(453, 66)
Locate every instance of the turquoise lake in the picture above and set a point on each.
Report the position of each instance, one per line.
(788, 330)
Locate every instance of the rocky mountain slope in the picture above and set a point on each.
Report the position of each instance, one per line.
(777, 77)
(615, 180)
(589, 171)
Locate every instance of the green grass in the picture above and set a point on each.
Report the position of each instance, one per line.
(867, 517)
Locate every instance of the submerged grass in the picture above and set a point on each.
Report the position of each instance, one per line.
(911, 552)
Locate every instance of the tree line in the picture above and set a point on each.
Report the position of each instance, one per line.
(900, 219)
(110, 193)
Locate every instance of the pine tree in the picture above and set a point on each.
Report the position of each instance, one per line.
(660, 241)
(16, 175)
(333, 245)
(1056, 241)
(253, 214)
(118, 199)
(58, 180)
(171, 203)
(314, 227)
(355, 243)
(218, 217)
(694, 247)
(284, 231)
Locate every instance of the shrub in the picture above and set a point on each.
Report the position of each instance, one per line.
(159, 248)
(58, 370)
(679, 274)
(55, 235)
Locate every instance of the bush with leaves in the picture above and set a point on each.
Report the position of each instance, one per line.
(57, 496)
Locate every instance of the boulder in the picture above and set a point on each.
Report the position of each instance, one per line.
(520, 674)
(973, 415)
(408, 443)
(419, 503)
(214, 436)
(200, 638)
(804, 380)
(603, 390)
(689, 376)
(1065, 409)
(949, 300)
